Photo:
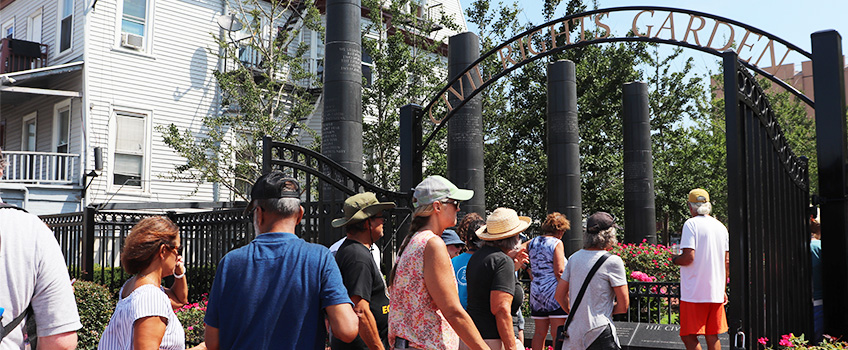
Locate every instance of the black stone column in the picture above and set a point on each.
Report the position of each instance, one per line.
(465, 128)
(564, 151)
(640, 215)
(341, 127)
(829, 87)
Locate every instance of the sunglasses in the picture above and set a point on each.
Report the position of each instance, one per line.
(451, 201)
(177, 250)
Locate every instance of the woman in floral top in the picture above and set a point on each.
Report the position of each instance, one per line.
(425, 309)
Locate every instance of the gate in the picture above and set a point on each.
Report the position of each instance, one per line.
(768, 200)
(320, 176)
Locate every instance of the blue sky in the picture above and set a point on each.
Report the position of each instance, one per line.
(787, 19)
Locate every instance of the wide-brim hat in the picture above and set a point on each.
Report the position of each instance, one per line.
(503, 223)
(360, 207)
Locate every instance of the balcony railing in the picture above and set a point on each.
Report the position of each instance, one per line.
(17, 55)
(41, 167)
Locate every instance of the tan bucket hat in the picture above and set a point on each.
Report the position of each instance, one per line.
(503, 223)
(360, 207)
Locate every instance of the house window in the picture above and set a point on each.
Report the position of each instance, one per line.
(63, 128)
(367, 68)
(66, 24)
(134, 17)
(9, 29)
(34, 27)
(130, 143)
(29, 132)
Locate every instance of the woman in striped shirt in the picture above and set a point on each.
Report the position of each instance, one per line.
(144, 317)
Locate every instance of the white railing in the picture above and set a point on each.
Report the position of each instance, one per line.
(41, 167)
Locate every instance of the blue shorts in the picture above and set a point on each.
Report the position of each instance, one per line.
(543, 315)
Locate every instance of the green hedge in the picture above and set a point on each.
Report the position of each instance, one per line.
(95, 305)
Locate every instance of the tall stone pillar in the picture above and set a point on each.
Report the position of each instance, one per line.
(640, 215)
(564, 151)
(341, 123)
(465, 128)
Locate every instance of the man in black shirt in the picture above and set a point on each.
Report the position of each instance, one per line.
(363, 222)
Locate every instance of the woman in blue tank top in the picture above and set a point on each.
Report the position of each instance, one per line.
(547, 262)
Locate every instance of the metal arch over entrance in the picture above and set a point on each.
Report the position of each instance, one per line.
(546, 39)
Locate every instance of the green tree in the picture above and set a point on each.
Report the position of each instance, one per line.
(266, 89)
(408, 68)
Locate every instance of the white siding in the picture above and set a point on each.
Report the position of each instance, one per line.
(172, 84)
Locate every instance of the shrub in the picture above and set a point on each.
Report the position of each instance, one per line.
(95, 305)
(191, 317)
(651, 259)
(790, 341)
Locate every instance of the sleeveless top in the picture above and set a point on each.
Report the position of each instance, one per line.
(144, 301)
(542, 288)
(414, 315)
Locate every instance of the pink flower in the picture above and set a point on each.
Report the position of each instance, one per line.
(191, 328)
(786, 343)
(762, 340)
(786, 336)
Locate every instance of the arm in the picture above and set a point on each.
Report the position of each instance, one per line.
(559, 260)
(441, 284)
(684, 259)
(561, 295)
(500, 307)
(61, 341)
(726, 273)
(178, 293)
(622, 300)
(210, 337)
(367, 323)
(343, 322)
(148, 332)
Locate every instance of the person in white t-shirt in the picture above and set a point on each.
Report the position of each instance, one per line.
(704, 266)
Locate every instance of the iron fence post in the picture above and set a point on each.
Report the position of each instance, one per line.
(88, 243)
(266, 154)
(735, 194)
(829, 87)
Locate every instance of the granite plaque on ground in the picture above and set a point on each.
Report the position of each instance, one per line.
(656, 336)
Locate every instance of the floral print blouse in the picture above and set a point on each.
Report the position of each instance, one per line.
(413, 315)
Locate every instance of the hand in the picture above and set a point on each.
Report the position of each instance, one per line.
(179, 268)
(519, 257)
(725, 299)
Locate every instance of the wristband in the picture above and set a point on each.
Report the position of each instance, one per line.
(180, 275)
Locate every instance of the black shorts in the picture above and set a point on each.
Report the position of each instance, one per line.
(543, 315)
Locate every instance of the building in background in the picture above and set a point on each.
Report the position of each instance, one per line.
(79, 77)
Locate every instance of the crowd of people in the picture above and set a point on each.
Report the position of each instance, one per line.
(448, 289)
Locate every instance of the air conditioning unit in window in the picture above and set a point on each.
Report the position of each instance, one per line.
(132, 41)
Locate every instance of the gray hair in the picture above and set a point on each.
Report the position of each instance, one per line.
(504, 244)
(285, 207)
(702, 208)
(601, 240)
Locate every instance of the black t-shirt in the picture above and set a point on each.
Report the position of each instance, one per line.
(490, 269)
(362, 278)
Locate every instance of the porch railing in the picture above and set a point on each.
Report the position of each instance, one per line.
(41, 167)
(17, 55)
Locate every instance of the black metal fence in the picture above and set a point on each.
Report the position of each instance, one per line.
(92, 240)
(768, 199)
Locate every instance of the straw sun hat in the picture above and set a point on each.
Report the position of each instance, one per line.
(503, 223)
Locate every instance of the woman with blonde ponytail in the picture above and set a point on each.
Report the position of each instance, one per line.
(425, 308)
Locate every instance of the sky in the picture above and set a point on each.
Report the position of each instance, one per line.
(792, 20)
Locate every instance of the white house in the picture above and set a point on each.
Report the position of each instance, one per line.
(83, 75)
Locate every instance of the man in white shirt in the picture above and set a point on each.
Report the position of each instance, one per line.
(704, 266)
(32, 266)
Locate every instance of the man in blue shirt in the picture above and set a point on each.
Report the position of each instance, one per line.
(274, 292)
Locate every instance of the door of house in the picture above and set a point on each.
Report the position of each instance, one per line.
(34, 27)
